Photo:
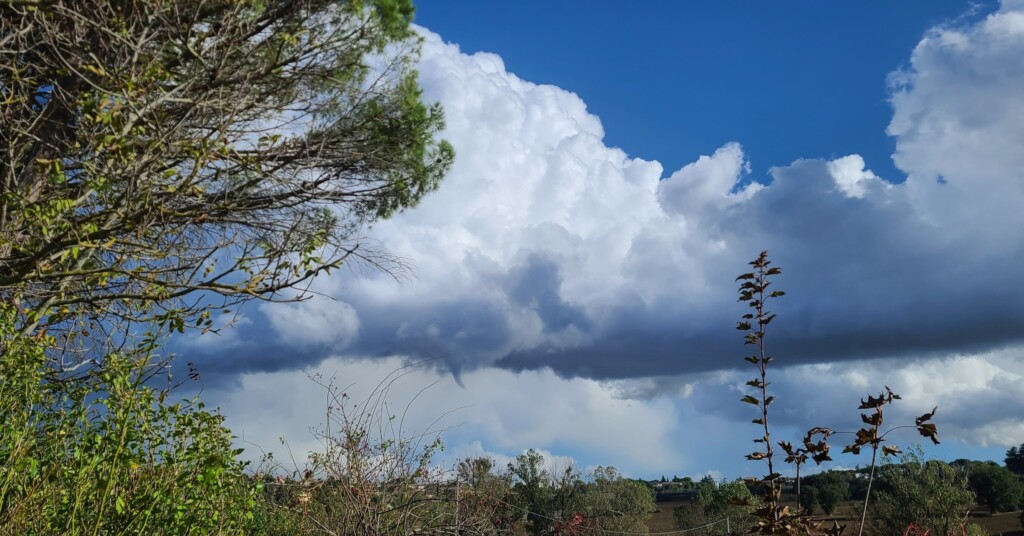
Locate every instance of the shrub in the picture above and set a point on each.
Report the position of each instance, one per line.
(931, 494)
(612, 503)
(995, 487)
(829, 489)
(716, 502)
(974, 529)
(106, 454)
(370, 479)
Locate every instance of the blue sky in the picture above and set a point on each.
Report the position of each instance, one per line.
(674, 80)
(572, 279)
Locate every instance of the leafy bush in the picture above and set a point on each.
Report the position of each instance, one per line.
(828, 489)
(612, 503)
(995, 487)
(715, 502)
(931, 494)
(105, 454)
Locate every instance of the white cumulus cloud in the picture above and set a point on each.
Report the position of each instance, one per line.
(568, 280)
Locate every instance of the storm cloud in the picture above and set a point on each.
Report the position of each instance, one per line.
(549, 254)
(546, 248)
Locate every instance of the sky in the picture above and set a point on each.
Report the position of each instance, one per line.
(572, 284)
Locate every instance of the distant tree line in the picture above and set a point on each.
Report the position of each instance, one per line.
(480, 498)
(929, 494)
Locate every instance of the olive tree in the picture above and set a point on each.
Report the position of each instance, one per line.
(611, 503)
(715, 503)
(828, 490)
(533, 490)
(931, 494)
(161, 159)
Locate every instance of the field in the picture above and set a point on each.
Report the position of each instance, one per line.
(1005, 524)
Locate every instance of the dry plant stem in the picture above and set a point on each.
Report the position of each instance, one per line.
(798, 485)
(867, 494)
(870, 436)
(764, 394)
(753, 291)
(874, 463)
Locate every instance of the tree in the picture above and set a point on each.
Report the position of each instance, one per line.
(611, 503)
(829, 489)
(858, 487)
(532, 489)
(995, 487)
(151, 151)
(1015, 460)
(931, 494)
(714, 503)
(809, 498)
(483, 500)
(476, 472)
(160, 160)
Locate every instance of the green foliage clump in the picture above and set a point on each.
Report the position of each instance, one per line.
(106, 454)
(603, 501)
(485, 497)
(532, 491)
(1015, 460)
(826, 490)
(997, 488)
(931, 494)
(609, 502)
(716, 501)
(159, 151)
(153, 150)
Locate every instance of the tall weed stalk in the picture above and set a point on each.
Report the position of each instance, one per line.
(774, 518)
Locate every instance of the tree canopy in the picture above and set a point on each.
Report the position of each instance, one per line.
(715, 502)
(612, 503)
(1015, 460)
(160, 160)
(827, 490)
(153, 151)
(995, 487)
(932, 494)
